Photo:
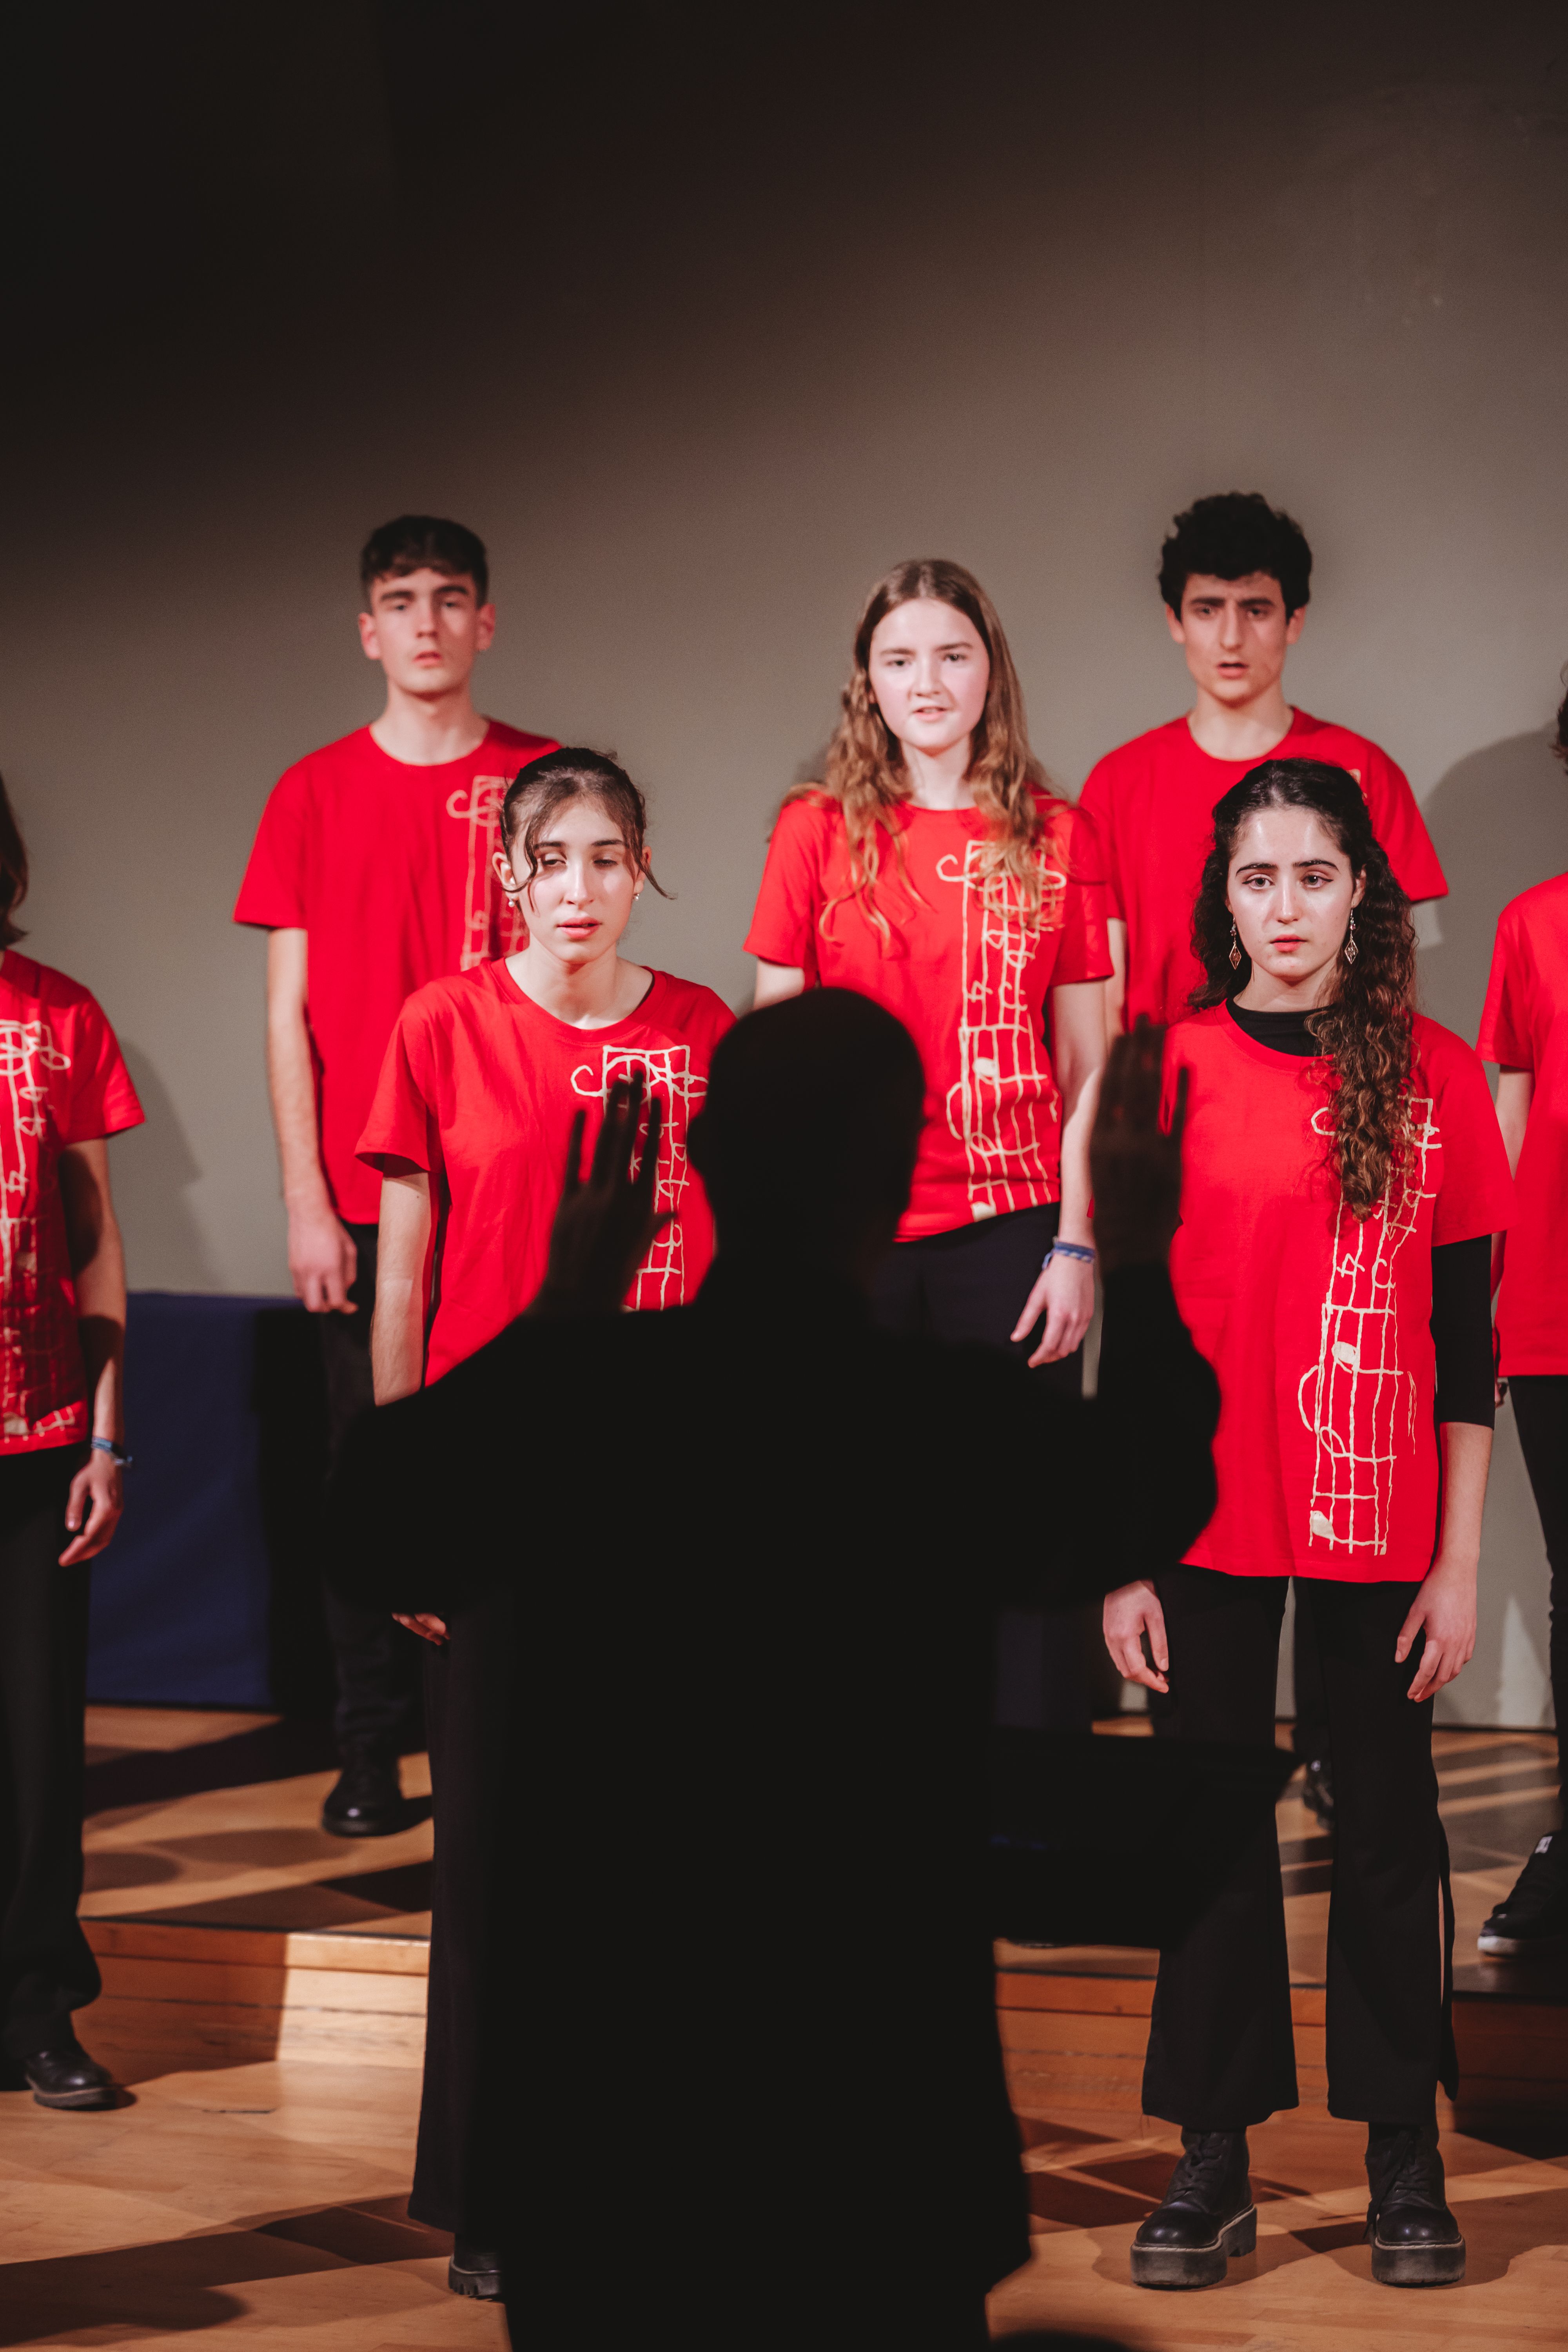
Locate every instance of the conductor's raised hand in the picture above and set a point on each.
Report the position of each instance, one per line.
(606, 1223)
(1134, 1165)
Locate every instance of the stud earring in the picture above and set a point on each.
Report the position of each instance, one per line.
(1235, 948)
(1351, 948)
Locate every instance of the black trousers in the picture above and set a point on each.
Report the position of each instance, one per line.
(460, 2166)
(1540, 1416)
(971, 1283)
(46, 1968)
(1310, 1737)
(1221, 2050)
(377, 1662)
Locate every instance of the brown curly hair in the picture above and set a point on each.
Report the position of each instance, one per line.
(1366, 1027)
(865, 772)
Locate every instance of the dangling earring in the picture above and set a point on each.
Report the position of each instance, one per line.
(1351, 948)
(1235, 948)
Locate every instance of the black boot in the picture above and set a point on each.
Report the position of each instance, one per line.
(1206, 2216)
(368, 1800)
(64, 2076)
(1534, 1918)
(472, 2270)
(1414, 2239)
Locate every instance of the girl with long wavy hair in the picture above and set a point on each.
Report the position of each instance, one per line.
(933, 870)
(1343, 1176)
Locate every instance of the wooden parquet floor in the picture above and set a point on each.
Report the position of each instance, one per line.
(266, 2199)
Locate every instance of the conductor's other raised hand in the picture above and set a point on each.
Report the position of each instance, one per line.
(606, 1225)
(1135, 1168)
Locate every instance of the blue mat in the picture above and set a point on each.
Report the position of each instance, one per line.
(209, 1594)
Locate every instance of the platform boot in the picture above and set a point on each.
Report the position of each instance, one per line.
(1414, 2239)
(1205, 2217)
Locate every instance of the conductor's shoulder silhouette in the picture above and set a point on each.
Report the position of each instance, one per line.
(757, 1547)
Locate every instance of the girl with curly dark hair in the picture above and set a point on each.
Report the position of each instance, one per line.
(1343, 1178)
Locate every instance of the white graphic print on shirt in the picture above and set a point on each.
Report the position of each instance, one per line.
(1353, 1396)
(1004, 1092)
(492, 925)
(35, 1321)
(668, 1076)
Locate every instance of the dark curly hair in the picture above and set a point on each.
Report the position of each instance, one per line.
(1231, 535)
(1366, 1027)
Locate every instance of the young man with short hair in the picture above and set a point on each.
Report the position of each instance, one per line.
(1236, 575)
(372, 872)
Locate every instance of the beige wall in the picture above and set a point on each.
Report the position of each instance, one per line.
(699, 371)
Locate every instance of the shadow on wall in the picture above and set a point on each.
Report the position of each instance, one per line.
(1500, 820)
(152, 1168)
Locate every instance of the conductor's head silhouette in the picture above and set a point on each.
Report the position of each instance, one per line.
(806, 1140)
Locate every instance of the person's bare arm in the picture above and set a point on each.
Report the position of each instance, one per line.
(1515, 1093)
(775, 982)
(322, 1254)
(1064, 1289)
(98, 1271)
(1116, 986)
(1444, 1607)
(397, 1326)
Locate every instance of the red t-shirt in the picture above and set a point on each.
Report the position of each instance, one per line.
(1319, 1326)
(1152, 805)
(65, 1083)
(1525, 1027)
(479, 1087)
(387, 867)
(968, 982)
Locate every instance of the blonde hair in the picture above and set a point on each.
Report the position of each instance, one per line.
(865, 772)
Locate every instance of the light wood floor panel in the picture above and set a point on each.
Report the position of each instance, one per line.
(267, 2198)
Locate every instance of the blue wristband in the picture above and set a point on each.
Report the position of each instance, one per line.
(1067, 1249)
(107, 1446)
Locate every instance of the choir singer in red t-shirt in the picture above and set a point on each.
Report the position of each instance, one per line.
(1343, 1179)
(1234, 577)
(934, 871)
(1524, 1030)
(62, 1339)
(371, 874)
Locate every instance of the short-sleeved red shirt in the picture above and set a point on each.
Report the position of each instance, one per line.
(62, 1081)
(1525, 1027)
(968, 980)
(1319, 1326)
(1152, 805)
(387, 867)
(479, 1087)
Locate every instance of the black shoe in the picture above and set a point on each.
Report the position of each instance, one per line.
(1535, 1915)
(1206, 2215)
(66, 2076)
(368, 1800)
(1414, 2239)
(1318, 1789)
(471, 2271)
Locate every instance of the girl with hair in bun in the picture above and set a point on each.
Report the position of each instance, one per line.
(933, 870)
(485, 1076)
(1343, 1178)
